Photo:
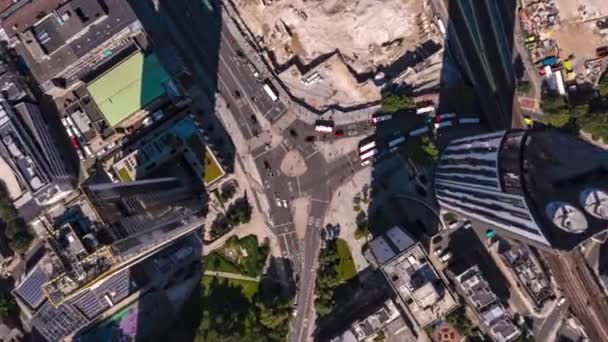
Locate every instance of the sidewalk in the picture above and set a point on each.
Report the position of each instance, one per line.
(231, 276)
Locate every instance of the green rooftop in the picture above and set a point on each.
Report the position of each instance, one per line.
(128, 87)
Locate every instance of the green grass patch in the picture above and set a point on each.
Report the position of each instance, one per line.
(219, 263)
(249, 288)
(346, 268)
(124, 176)
(239, 256)
(213, 171)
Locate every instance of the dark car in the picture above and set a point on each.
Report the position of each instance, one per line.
(293, 133)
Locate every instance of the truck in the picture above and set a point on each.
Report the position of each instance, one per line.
(270, 92)
(324, 126)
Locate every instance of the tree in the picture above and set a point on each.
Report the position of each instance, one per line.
(420, 150)
(392, 103)
(362, 230)
(557, 113)
(8, 307)
(21, 241)
(602, 86)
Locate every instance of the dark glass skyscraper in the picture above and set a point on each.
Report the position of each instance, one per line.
(481, 38)
(543, 188)
(136, 206)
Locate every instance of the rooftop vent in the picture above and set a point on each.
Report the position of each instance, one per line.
(566, 217)
(595, 203)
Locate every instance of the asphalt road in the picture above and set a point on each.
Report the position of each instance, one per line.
(228, 70)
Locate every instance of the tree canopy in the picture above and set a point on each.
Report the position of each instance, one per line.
(392, 103)
(557, 112)
(16, 229)
(602, 86)
(420, 150)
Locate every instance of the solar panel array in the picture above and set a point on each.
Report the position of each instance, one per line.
(92, 303)
(56, 323)
(30, 289)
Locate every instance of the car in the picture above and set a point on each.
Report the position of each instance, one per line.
(253, 69)
(366, 162)
(68, 129)
(293, 133)
(561, 301)
(454, 225)
(147, 121)
(467, 225)
(339, 133)
(87, 150)
(158, 115)
(74, 143)
(111, 145)
(284, 203)
(445, 257)
(310, 138)
(438, 251)
(80, 155)
(237, 94)
(278, 202)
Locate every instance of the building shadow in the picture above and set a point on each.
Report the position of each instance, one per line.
(476, 93)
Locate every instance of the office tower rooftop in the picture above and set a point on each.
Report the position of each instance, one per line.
(33, 169)
(539, 186)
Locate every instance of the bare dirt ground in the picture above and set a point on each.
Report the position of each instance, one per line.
(367, 32)
(336, 85)
(579, 10)
(300, 211)
(568, 37)
(293, 164)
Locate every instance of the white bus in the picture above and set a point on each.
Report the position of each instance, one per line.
(396, 142)
(425, 110)
(324, 126)
(447, 116)
(368, 154)
(366, 147)
(469, 120)
(379, 118)
(419, 131)
(271, 93)
(324, 129)
(443, 124)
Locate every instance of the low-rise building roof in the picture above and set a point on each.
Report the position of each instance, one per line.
(128, 87)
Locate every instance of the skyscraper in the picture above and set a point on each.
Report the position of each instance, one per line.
(480, 37)
(540, 187)
(133, 207)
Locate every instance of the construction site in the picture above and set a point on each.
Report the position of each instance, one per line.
(347, 49)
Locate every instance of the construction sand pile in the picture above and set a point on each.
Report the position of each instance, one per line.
(366, 32)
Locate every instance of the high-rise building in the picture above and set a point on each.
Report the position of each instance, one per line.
(134, 207)
(540, 187)
(480, 36)
(38, 173)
